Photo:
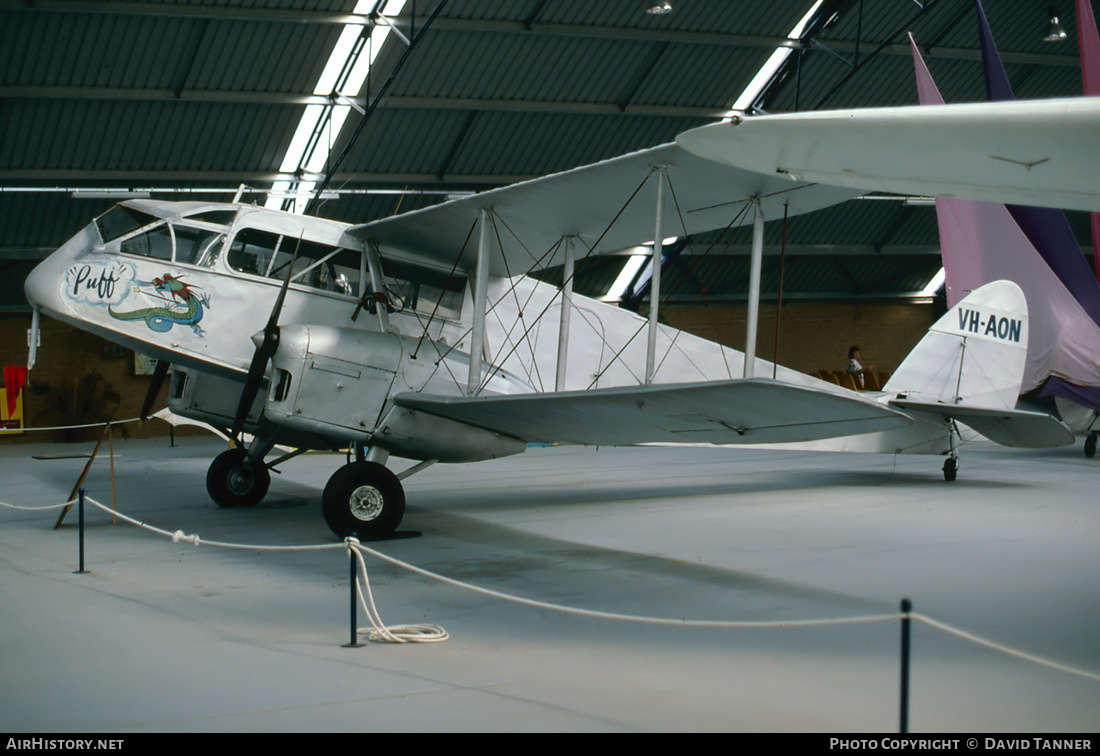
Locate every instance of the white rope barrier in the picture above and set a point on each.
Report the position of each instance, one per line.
(626, 617)
(40, 507)
(1005, 649)
(380, 632)
(74, 427)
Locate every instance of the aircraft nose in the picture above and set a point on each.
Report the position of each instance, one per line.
(36, 288)
(43, 287)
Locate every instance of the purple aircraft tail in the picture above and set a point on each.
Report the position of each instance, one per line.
(1088, 40)
(1047, 228)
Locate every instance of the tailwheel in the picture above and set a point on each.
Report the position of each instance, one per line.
(234, 480)
(365, 500)
(950, 468)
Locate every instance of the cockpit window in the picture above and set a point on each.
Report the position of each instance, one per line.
(155, 243)
(197, 246)
(317, 265)
(121, 220)
(221, 217)
(173, 242)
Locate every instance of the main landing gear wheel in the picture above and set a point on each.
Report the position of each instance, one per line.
(365, 500)
(1090, 445)
(234, 481)
(950, 469)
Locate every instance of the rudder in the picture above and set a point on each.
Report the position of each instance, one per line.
(973, 356)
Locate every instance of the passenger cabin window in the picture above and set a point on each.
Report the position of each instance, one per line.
(315, 264)
(425, 290)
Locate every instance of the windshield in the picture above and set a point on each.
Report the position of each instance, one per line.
(121, 220)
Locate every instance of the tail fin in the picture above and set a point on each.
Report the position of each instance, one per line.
(969, 368)
(973, 356)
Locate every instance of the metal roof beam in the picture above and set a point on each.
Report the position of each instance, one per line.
(127, 177)
(821, 250)
(25, 253)
(277, 15)
(214, 12)
(238, 97)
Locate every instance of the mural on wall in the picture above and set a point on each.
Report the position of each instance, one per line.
(170, 301)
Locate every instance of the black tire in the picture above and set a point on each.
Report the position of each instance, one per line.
(950, 469)
(365, 500)
(1090, 445)
(233, 481)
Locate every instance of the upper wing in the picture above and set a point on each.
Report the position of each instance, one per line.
(750, 411)
(535, 215)
(1035, 152)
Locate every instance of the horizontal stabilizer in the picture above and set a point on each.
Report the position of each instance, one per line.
(1008, 427)
(750, 411)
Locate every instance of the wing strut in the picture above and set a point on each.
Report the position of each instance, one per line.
(378, 287)
(754, 287)
(481, 288)
(655, 273)
(566, 310)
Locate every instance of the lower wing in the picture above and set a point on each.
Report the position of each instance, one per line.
(749, 411)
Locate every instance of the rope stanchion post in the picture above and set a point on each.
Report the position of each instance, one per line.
(353, 589)
(906, 608)
(80, 534)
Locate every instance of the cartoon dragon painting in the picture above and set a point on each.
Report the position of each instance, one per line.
(161, 319)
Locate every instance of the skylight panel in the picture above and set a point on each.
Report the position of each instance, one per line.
(764, 75)
(344, 74)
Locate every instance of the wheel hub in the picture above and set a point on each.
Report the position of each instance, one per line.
(366, 503)
(239, 481)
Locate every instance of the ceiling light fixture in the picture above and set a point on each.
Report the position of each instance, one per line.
(658, 8)
(1055, 32)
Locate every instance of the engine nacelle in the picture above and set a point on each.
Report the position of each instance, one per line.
(333, 381)
(337, 382)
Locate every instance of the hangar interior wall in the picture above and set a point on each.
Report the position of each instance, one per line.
(815, 336)
(81, 378)
(78, 378)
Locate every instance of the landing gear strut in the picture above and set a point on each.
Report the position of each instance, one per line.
(951, 464)
(234, 480)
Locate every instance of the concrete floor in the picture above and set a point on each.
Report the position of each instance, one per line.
(162, 636)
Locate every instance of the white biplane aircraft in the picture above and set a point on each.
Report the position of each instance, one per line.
(399, 338)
